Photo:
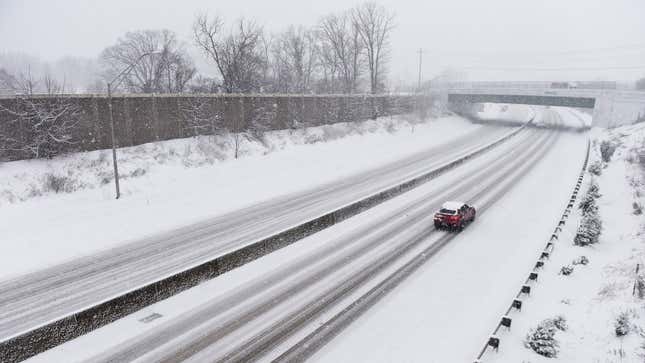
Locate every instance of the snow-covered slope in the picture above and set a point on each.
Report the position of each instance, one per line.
(594, 296)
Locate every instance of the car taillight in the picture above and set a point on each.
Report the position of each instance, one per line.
(454, 218)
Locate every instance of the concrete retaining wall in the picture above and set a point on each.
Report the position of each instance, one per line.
(144, 118)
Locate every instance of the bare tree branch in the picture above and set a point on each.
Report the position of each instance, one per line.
(237, 55)
(166, 71)
(37, 127)
(340, 34)
(374, 25)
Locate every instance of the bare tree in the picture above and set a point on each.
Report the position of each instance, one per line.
(26, 83)
(329, 71)
(237, 55)
(341, 36)
(167, 70)
(266, 43)
(200, 118)
(51, 85)
(8, 82)
(296, 57)
(203, 84)
(37, 127)
(179, 70)
(374, 24)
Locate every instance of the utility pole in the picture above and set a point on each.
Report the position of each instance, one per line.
(114, 142)
(420, 59)
(113, 84)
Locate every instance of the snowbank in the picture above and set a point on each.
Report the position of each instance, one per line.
(541, 115)
(599, 301)
(505, 112)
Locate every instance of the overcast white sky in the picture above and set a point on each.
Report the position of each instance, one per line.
(527, 39)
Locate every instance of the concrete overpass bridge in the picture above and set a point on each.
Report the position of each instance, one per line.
(610, 106)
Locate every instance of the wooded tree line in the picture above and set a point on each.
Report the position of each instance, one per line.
(344, 53)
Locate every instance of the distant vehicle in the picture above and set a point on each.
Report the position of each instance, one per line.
(454, 216)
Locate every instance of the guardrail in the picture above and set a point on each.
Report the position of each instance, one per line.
(60, 331)
(506, 320)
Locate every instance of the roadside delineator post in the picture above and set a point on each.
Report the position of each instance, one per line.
(533, 276)
(506, 322)
(493, 342)
(526, 289)
(517, 304)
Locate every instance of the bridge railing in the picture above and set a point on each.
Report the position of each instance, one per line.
(622, 95)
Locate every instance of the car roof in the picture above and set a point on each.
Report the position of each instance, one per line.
(454, 205)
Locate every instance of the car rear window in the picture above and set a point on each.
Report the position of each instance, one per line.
(447, 211)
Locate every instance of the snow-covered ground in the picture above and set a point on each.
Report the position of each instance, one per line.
(506, 112)
(174, 183)
(592, 297)
(446, 310)
(443, 312)
(572, 118)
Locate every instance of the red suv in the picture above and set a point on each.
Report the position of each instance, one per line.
(454, 216)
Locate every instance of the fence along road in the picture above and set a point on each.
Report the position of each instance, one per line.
(61, 292)
(261, 316)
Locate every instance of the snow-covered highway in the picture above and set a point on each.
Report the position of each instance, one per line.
(266, 307)
(35, 299)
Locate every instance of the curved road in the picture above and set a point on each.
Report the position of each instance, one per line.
(263, 315)
(33, 300)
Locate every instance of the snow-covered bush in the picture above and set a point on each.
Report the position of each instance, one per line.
(595, 168)
(607, 149)
(587, 204)
(641, 157)
(559, 322)
(622, 325)
(542, 340)
(591, 225)
(589, 229)
(58, 183)
(566, 270)
(582, 260)
(588, 201)
(638, 208)
(594, 189)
